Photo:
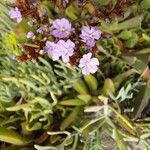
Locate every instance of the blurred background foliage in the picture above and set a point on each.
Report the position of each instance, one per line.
(51, 106)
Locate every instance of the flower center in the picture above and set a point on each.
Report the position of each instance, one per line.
(91, 35)
(65, 50)
(61, 29)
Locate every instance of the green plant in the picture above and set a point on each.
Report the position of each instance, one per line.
(50, 105)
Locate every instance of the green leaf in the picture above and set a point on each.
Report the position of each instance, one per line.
(36, 126)
(121, 144)
(138, 60)
(145, 51)
(85, 97)
(80, 86)
(145, 4)
(139, 65)
(141, 100)
(121, 77)
(124, 122)
(131, 42)
(72, 102)
(131, 23)
(125, 35)
(72, 12)
(113, 26)
(128, 24)
(70, 118)
(17, 107)
(10, 136)
(146, 37)
(109, 87)
(91, 82)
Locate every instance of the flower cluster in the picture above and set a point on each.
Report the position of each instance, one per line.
(62, 47)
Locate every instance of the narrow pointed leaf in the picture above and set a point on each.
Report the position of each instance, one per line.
(10, 136)
(91, 82)
(141, 100)
(70, 118)
(72, 102)
(80, 86)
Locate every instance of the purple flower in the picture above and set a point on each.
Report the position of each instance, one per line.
(90, 43)
(30, 35)
(67, 49)
(89, 35)
(88, 64)
(61, 28)
(14, 13)
(53, 49)
(40, 30)
(63, 49)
